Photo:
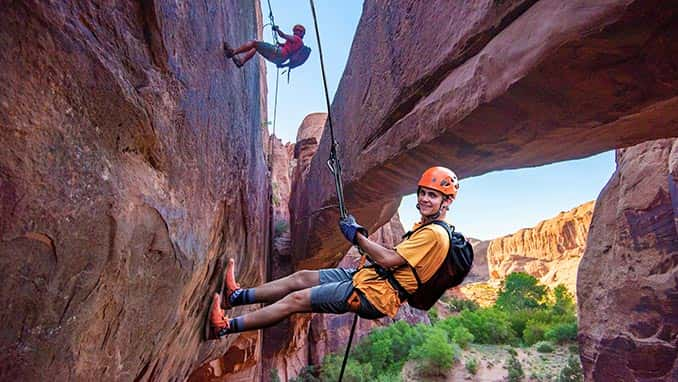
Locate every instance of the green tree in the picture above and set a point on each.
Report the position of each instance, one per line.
(436, 354)
(564, 301)
(521, 291)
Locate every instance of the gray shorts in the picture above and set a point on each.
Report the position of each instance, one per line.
(331, 295)
(270, 52)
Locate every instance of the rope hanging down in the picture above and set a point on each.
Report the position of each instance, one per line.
(275, 99)
(333, 161)
(335, 167)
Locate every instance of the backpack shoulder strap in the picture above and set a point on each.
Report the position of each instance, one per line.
(448, 227)
(408, 234)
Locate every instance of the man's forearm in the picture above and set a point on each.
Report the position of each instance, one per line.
(385, 257)
(283, 35)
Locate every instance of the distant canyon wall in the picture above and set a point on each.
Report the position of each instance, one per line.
(550, 251)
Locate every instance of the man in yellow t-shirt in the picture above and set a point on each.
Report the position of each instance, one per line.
(340, 290)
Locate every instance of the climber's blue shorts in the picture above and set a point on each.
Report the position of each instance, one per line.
(331, 295)
(269, 51)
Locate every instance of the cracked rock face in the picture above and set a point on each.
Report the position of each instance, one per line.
(628, 277)
(129, 170)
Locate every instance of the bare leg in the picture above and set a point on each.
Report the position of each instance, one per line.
(296, 302)
(241, 61)
(275, 290)
(245, 47)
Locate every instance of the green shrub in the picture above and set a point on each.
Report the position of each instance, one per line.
(462, 337)
(573, 348)
(436, 354)
(545, 347)
(572, 372)
(307, 374)
(512, 352)
(433, 315)
(387, 349)
(562, 332)
(388, 378)
(472, 365)
(273, 375)
(534, 332)
(515, 370)
(355, 371)
(460, 304)
(564, 301)
(518, 320)
(488, 326)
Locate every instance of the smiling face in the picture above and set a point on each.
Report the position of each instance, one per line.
(298, 31)
(430, 201)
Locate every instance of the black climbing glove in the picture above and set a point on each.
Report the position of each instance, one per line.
(349, 227)
(275, 28)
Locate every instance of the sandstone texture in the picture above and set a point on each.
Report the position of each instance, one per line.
(131, 167)
(550, 251)
(479, 270)
(485, 86)
(628, 279)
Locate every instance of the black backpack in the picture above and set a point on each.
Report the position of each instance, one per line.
(295, 59)
(451, 272)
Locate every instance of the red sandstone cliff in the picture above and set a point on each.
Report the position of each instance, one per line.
(550, 251)
(628, 277)
(131, 167)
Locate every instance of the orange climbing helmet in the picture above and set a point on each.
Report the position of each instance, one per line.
(300, 28)
(441, 179)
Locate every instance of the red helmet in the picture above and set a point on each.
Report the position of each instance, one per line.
(300, 28)
(441, 179)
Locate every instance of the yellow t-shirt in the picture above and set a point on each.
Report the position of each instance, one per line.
(425, 250)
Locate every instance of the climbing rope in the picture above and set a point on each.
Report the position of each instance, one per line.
(272, 23)
(275, 98)
(333, 161)
(335, 167)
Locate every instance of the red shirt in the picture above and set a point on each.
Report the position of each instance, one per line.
(292, 45)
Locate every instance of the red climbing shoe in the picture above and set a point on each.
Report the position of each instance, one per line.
(229, 285)
(217, 319)
(228, 50)
(237, 62)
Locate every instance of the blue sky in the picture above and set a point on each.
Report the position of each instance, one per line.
(488, 206)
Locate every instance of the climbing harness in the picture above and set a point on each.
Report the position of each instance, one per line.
(335, 167)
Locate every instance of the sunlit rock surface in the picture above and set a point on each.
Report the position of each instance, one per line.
(549, 251)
